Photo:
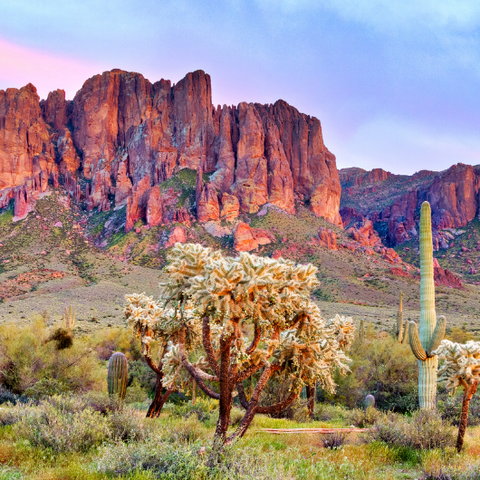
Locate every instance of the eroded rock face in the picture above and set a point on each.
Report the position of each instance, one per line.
(120, 129)
(24, 140)
(208, 208)
(393, 201)
(154, 207)
(230, 207)
(251, 174)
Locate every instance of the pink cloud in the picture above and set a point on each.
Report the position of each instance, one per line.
(21, 65)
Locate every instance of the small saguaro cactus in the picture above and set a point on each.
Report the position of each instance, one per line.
(369, 401)
(69, 318)
(399, 332)
(361, 331)
(431, 333)
(117, 375)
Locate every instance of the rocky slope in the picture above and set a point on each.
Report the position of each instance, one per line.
(392, 202)
(122, 137)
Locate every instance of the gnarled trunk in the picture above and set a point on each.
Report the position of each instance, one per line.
(467, 396)
(311, 390)
(159, 399)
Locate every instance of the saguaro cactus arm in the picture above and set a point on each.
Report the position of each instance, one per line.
(415, 343)
(437, 336)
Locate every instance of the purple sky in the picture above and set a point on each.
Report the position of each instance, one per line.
(396, 84)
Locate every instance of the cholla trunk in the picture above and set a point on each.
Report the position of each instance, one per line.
(427, 376)
(158, 402)
(467, 396)
(226, 393)
(311, 400)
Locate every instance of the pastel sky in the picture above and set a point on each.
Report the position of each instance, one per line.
(395, 83)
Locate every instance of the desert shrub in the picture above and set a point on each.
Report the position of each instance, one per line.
(325, 412)
(48, 427)
(423, 430)
(99, 402)
(163, 459)
(204, 409)
(11, 414)
(167, 461)
(363, 418)
(45, 388)
(450, 407)
(334, 440)
(107, 341)
(381, 367)
(10, 473)
(126, 425)
(136, 393)
(26, 360)
(236, 416)
(140, 373)
(6, 396)
(185, 432)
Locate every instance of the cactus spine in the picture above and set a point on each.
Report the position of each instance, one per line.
(427, 338)
(117, 375)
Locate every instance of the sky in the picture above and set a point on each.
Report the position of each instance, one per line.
(395, 83)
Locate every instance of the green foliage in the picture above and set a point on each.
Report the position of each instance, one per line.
(450, 407)
(381, 367)
(26, 359)
(106, 341)
(424, 430)
(48, 427)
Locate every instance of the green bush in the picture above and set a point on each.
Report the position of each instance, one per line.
(167, 461)
(125, 425)
(48, 427)
(204, 409)
(381, 367)
(450, 407)
(28, 364)
(424, 430)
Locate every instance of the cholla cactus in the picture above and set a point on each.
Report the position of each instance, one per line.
(461, 367)
(152, 322)
(251, 314)
(431, 333)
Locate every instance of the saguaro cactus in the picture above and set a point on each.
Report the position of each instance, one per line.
(117, 375)
(425, 340)
(399, 332)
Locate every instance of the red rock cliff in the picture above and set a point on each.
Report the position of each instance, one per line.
(120, 129)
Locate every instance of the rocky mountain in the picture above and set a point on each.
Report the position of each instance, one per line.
(122, 137)
(392, 202)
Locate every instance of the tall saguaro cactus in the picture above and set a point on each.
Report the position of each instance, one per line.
(425, 340)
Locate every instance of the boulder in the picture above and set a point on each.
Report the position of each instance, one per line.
(177, 235)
